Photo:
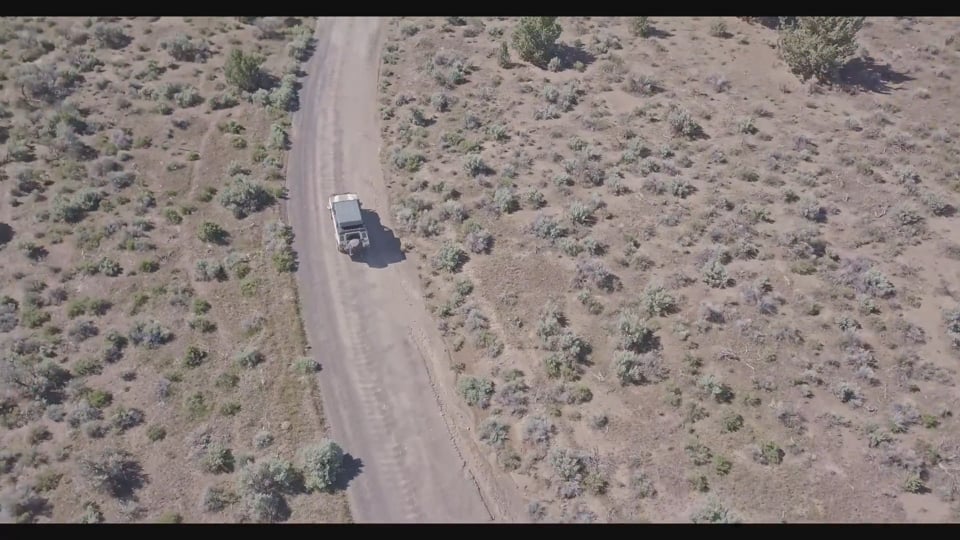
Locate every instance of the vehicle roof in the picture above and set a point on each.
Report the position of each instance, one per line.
(348, 212)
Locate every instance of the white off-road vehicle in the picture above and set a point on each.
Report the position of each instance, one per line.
(352, 237)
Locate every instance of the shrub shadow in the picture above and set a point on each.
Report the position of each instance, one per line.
(268, 81)
(773, 23)
(570, 55)
(658, 33)
(6, 234)
(32, 507)
(947, 211)
(135, 479)
(385, 248)
(865, 74)
(352, 467)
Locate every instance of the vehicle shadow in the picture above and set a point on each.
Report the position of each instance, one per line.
(385, 248)
(352, 467)
(6, 234)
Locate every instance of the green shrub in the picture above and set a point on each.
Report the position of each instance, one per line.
(183, 49)
(301, 45)
(250, 358)
(215, 499)
(698, 453)
(494, 432)
(229, 409)
(715, 275)
(210, 271)
(99, 398)
(913, 483)
(817, 47)
(170, 518)
(658, 302)
(110, 36)
(197, 406)
(244, 197)
(718, 28)
(263, 486)
(218, 459)
(474, 166)
(213, 233)
(634, 333)
(47, 480)
(150, 335)
(109, 267)
(503, 55)
(200, 306)
(278, 238)
(322, 465)
(88, 366)
(722, 465)
(633, 368)
(243, 70)
(149, 266)
(770, 454)
(156, 433)
(732, 422)
(505, 200)
(640, 26)
(173, 217)
(407, 161)
(227, 381)
(124, 418)
(476, 391)
(194, 356)
(306, 365)
(682, 123)
(202, 325)
(278, 139)
(34, 318)
(535, 38)
(450, 257)
(714, 512)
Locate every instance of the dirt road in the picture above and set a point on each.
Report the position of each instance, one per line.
(360, 317)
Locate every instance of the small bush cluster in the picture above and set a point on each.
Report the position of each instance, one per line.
(184, 49)
(279, 244)
(301, 45)
(568, 350)
(577, 471)
(244, 197)
(150, 335)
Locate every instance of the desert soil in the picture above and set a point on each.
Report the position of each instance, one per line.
(784, 275)
(100, 117)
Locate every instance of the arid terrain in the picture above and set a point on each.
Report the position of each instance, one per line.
(679, 282)
(153, 361)
(365, 319)
(653, 276)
